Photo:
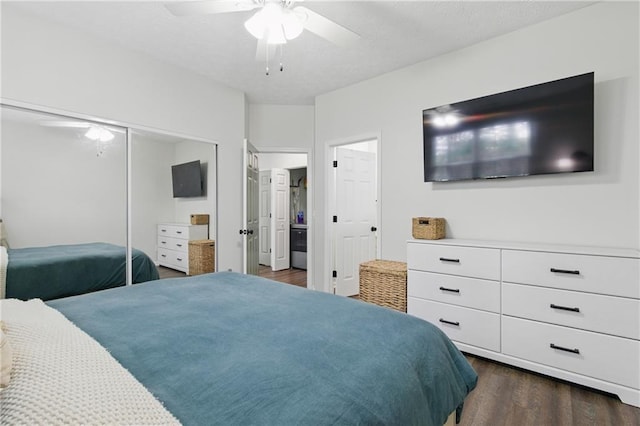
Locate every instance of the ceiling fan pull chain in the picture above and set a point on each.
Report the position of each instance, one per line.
(281, 55)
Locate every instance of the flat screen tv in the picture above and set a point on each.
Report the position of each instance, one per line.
(187, 179)
(541, 129)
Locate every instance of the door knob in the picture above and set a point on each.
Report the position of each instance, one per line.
(374, 229)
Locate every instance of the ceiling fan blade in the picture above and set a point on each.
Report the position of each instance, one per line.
(326, 28)
(180, 8)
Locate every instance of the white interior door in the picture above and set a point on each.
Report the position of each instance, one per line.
(265, 218)
(250, 211)
(280, 252)
(355, 221)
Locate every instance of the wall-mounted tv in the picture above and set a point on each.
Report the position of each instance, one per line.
(187, 179)
(541, 129)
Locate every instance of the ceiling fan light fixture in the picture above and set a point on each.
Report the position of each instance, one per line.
(291, 24)
(256, 25)
(275, 23)
(97, 133)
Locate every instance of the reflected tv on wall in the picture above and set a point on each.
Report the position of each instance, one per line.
(541, 129)
(187, 180)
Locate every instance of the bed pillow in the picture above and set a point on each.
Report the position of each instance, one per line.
(3, 239)
(6, 358)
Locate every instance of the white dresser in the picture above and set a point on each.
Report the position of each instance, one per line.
(568, 312)
(173, 243)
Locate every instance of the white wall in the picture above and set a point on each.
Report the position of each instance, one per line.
(290, 126)
(598, 209)
(53, 66)
(268, 161)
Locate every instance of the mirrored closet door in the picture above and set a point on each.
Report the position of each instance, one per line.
(81, 194)
(63, 196)
(63, 180)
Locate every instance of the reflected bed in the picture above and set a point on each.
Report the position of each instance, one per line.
(67, 270)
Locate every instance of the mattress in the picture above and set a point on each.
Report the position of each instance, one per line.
(227, 348)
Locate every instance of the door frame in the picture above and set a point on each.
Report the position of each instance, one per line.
(328, 282)
(310, 197)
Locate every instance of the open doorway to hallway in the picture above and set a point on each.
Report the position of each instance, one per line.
(284, 205)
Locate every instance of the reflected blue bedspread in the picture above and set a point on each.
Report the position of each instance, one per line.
(67, 270)
(233, 349)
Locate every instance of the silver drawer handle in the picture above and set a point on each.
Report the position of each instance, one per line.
(560, 348)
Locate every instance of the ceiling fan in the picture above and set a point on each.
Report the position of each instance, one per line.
(275, 22)
(101, 134)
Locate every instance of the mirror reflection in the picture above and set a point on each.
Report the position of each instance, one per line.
(173, 193)
(64, 206)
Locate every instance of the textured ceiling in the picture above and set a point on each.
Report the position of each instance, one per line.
(394, 34)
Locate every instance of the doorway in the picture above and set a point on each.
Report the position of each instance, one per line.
(283, 250)
(353, 201)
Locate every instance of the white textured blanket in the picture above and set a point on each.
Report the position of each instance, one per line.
(4, 261)
(61, 375)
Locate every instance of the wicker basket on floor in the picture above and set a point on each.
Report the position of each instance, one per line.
(384, 282)
(201, 257)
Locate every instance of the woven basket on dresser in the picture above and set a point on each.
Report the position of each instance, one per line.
(201, 257)
(428, 228)
(384, 282)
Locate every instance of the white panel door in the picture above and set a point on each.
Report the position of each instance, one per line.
(250, 212)
(355, 226)
(280, 252)
(265, 218)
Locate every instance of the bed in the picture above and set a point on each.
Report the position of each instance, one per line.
(67, 270)
(227, 348)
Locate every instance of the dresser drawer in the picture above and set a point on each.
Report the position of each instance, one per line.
(177, 244)
(592, 312)
(615, 276)
(473, 262)
(464, 325)
(188, 232)
(176, 259)
(462, 291)
(600, 356)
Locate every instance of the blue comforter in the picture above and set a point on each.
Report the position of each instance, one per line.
(233, 349)
(68, 270)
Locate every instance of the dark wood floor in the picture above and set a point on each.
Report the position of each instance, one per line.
(290, 276)
(511, 396)
(508, 396)
(170, 273)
